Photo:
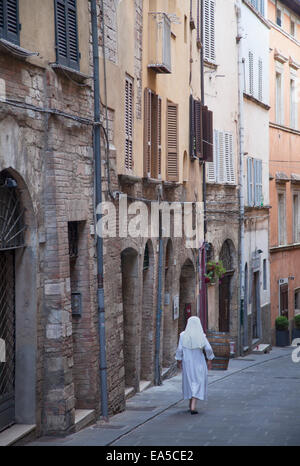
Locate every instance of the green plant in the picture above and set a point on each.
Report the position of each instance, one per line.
(281, 323)
(297, 321)
(214, 270)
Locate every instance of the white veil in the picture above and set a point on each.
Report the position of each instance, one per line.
(193, 337)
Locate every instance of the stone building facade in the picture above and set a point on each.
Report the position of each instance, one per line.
(47, 170)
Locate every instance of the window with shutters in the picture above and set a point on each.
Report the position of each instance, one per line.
(259, 5)
(159, 42)
(281, 218)
(152, 135)
(9, 21)
(209, 30)
(296, 218)
(128, 123)
(293, 104)
(172, 141)
(222, 169)
(279, 98)
(254, 182)
(67, 52)
(196, 129)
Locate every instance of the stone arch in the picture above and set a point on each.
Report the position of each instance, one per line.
(130, 298)
(148, 315)
(168, 347)
(22, 304)
(187, 293)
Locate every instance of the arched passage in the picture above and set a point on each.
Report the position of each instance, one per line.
(227, 256)
(130, 282)
(168, 346)
(147, 323)
(18, 303)
(187, 297)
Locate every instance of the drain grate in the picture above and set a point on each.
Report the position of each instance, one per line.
(141, 408)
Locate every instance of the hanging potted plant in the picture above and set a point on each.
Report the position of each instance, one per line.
(296, 329)
(282, 331)
(214, 271)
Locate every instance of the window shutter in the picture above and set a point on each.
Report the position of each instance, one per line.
(67, 52)
(251, 73)
(255, 180)
(250, 181)
(147, 132)
(260, 79)
(209, 30)
(128, 123)
(172, 146)
(9, 20)
(229, 162)
(198, 128)
(192, 128)
(208, 134)
(221, 157)
(262, 7)
(212, 166)
(159, 150)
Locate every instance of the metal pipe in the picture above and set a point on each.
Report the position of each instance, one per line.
(240, 316)
(159, 309)
(98, 200)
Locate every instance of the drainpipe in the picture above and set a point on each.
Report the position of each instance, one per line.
(98, 200)
(241, 174)
(157, 379)
(203, 301)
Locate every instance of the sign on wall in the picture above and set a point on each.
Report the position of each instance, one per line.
(176, 307)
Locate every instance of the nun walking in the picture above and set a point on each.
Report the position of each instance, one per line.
(190, 357)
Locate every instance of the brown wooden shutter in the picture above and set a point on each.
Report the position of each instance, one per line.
(147, 132)
(198, 129)
(159, 104)
(192, 128)
(128, 123)
(172, 144)
(208, 145)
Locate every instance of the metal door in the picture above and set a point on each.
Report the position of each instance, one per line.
(7, 334)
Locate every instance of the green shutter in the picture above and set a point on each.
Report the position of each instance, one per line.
(67, 53)
(9, 21)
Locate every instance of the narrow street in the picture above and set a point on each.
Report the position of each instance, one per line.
(255, 402)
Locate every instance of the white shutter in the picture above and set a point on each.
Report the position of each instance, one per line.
(128, 122)
(209, 30)
(259, 182)
(229, 160)
(260, 79)
(211, 173)
(251, 74)
(250, 180)
(221, 157)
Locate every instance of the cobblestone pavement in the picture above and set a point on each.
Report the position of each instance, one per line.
(255, 402)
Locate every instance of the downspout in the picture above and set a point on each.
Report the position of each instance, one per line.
(98, 200)
(241, 174)
(157, 379)
(203, 301)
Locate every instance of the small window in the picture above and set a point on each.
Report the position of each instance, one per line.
(281, 219)
(297, 302)
(67, 52)
(9, 21)
(278, 17)
(279, 99)
(296, 235)
(265, 274)
(293, 28)
(293, 105)
(128, 123)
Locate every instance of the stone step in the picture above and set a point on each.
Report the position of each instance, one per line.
(262, 349)
(15, 433)
(129, 392)
(83, 417)
(144, 384)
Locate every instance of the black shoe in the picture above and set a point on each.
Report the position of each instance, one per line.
(194, 412)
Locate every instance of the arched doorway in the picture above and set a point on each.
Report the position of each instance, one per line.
(147, 323)
(187, 297)
(130, 298)
(18, 305)
(226, 256)
(168, 347)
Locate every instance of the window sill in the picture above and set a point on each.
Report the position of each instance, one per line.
(70, 73)
(210, 64)
(129, 179)
(15, 50)
(284, 247)
(223, 185)
(256, 101)
(284, 128)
